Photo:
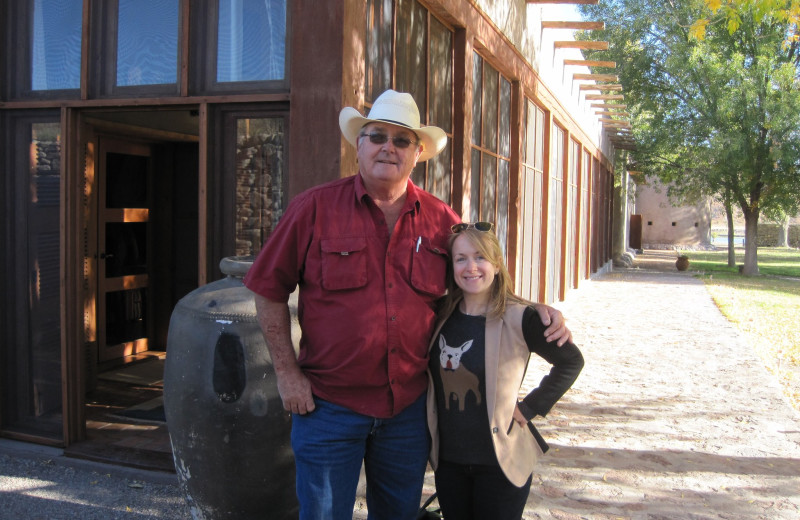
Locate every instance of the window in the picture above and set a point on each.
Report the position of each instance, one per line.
(31, 343)
(572, 217)
(260, 181)
(147, 42)
(46, 36)
(56, 59)
(555, 220)
(253, 159)
(585, 217)
(251, 40)
(240, 46)
(136, 46)
(411, 51)
(532, 194)
(491, 146)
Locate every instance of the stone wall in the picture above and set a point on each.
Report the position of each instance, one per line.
(259, 190)
(768, 235)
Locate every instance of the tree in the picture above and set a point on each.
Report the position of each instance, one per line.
(730, 12)
(717, 116)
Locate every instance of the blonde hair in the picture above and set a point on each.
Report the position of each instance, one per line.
(502, 290)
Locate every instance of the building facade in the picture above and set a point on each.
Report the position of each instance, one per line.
(141, 142)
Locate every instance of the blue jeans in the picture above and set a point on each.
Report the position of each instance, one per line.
(476, 492)
(329, 446)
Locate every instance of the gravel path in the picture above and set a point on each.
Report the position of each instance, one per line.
(674, 415)
(39, 483)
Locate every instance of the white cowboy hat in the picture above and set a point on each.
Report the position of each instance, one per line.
(396, 108)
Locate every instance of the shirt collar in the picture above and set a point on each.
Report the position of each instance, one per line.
(412, 194)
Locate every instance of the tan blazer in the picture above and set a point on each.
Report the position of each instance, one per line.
(517, 449)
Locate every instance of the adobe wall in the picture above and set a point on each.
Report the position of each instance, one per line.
(665, 224)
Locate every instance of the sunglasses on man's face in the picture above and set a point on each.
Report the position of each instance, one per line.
(480, 226)
(399, 142)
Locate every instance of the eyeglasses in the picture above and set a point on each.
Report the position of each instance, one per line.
(399, 142)
(480, 226)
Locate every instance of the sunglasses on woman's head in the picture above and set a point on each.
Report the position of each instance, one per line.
(399, 142)
(480, 226)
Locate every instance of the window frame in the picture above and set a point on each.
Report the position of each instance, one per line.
(222, 199)
(423, 175)
(492, 153)
(203, 58)
(103, 50)
(17, 336)
(17, 66)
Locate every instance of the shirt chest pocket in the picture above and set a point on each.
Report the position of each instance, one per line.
(344, 263)
(429, 268)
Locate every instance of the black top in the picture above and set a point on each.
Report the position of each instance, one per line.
(458, 365)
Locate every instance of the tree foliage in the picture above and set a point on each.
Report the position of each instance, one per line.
(712, 116)
(730, 13)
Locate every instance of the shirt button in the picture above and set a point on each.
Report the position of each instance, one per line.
(394, 318)
(494, 430)
(394, 350)
(391, 285)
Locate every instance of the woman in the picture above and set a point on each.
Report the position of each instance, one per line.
(484, 448)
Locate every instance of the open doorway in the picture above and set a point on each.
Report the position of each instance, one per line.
(141, 258)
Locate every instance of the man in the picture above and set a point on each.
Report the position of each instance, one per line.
(369, 255)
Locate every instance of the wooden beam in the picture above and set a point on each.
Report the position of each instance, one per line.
(598, 46)
(596, 77)
(609, 120)
(598, 97)
(601, 87)
(608, 105)
(585, 26)
(592, 63)
(612, 113)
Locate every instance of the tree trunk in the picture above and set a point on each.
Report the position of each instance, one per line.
(750, 243)
(731, 233)
(783, 233)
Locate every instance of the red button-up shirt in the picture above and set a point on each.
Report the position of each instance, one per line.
(367, 299)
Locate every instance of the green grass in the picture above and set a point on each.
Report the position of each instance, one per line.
(765, 308)
(776, 261)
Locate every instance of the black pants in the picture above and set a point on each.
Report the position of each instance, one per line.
(477, 492)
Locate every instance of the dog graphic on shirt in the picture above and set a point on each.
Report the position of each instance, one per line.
(457, 381)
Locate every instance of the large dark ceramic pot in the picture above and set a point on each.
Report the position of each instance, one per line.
(229, 431)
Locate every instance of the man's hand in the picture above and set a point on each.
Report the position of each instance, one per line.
(295, 391)
(293, 386)
(556, 324)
